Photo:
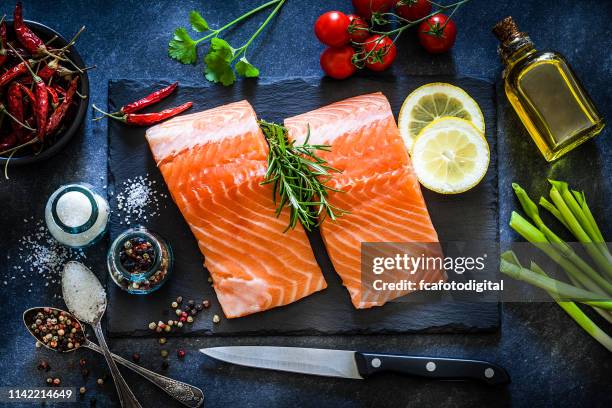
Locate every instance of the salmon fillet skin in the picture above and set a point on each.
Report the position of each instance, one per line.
(213, 163)
(379, 187)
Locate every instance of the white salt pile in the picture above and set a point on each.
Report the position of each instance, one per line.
(74, 209)
(83, 292)
(138, 200)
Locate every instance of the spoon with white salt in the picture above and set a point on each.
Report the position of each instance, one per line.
(86, 299)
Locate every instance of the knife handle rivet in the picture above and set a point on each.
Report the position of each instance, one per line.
(376, 362)
(430, 366)
(489, 373)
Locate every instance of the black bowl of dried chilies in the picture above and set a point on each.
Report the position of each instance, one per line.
(35, 58)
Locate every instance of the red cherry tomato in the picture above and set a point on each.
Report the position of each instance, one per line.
(437, 34)
(355, 28)
(338, 62)
(365, 8)
(413, 10)
(383, 52)
(331, 28)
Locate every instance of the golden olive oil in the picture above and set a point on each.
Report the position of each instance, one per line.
(548, 98)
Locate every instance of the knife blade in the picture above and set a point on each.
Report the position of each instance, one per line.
(355, 364)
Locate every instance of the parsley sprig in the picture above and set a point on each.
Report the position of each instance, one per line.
(223, 62)
(299, 178)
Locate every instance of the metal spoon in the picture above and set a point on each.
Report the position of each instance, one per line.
(93, 318)
(186, 394)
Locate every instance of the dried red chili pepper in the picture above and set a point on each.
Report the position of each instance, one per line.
(47, 72)
(14, 72)
(150, 99)
(41, 107)
(28, 92)
(26, 37)
(3, 51)
(15, 104)
(59, 89)
(147, 119)
(58, 115)
(54, 97)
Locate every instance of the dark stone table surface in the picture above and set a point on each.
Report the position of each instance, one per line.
(552, 362)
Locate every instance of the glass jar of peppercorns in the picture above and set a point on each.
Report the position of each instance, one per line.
(140, 261)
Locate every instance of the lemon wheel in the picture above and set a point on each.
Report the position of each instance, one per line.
(450, 155)
(433, 101)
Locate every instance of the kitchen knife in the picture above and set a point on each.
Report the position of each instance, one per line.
(356, 364)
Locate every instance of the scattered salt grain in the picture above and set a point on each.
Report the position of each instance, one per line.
(39, 253)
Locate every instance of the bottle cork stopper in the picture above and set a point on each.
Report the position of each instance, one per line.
(506, 30)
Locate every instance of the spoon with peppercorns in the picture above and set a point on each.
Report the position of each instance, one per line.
(61, 331)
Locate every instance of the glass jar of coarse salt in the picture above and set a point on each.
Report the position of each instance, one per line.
(76, 215)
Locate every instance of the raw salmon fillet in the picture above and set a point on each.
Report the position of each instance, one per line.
(380, 188)
(213, 163)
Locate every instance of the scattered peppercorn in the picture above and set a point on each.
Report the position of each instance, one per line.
(179, 299)
(135, 357)
(179, 324)
(174, 305)
(56, 382)
(100, 381)
(199, 307)
(191, 303)
(178, 312)
(152, 326)
(216, 319)
(82, 390)
(206, 304)
(164, 353)
(49, 380)
(194, 312)
(82, 363)
(162, 340)
(180, 353)
(43, 365)
(189, 319)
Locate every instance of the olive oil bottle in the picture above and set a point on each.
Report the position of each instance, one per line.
(545, 93)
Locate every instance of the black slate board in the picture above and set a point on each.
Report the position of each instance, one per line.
(469, 216)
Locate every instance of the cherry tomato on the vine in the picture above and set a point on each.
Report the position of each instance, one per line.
(382, 52)
(337, 62)
(358, 28)
(413, 10)
(331, 28)
(437, 34)
(365, 8)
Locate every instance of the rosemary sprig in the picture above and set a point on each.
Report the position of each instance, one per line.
(299, 178)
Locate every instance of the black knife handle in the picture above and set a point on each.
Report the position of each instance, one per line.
(432, 367)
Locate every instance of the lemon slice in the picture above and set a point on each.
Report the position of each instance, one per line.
(431, 102)
(450, 155)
